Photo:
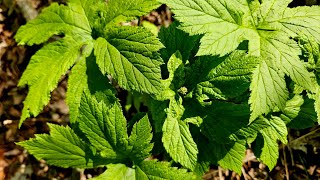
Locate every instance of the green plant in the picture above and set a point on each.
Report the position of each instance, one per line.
(235, 74)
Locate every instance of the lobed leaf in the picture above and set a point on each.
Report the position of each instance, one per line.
(59, 56)
(104, 126)
(55, 20)
(62, 148)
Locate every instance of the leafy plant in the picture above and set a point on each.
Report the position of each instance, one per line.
(233, 75)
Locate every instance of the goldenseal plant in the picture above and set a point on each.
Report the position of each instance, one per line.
(226, 76)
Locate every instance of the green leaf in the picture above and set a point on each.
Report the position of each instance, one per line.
(55, 20)
(151, 27)
(122, 11)
(175, 40)
(140, 139)
(267, 151)
(104, 126)
(177, 139)
(227, 79)
(59, 56)
(85, 75)
(268, 27)
(117, 172)
(230, 156)
(130, 55)
(268, 90)
(91, 9)
(176, 77)
(283, 50)
(158, 113)
(317, 105)
(301, 20)
(220, 21)
(62, 148)
(299, 113)
(227, 122)
(162, 170)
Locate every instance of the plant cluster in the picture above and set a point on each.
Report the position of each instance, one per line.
(226, 76)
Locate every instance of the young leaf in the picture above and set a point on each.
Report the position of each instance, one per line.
(59, 56)
(62, 148)
(176, 77)
(130, 55)
(104, 126)
(177, 139)
(140, 139)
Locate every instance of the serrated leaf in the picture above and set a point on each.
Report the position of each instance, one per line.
(227, 77)
(268, 26)
(228, 155)
(175, 80)
(175, 40)
(158, 114)
(227, 122)
(301, 20)
(286, 52)
(104, 126)
(90, 8)
(268, 90)
(278, 128)
(140, 139)
(122, 11)
(55, 20)
(117, 172)
(162, 170)
(267, 151)
(130, 55)
(85, 75)
(207, 17)
(177, 139)
(59, 56)
(231, 156)
(62, 148)
(299, 113)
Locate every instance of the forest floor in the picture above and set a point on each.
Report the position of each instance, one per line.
(299, 159)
